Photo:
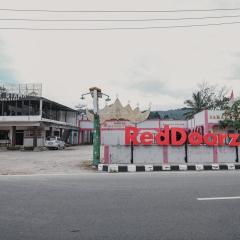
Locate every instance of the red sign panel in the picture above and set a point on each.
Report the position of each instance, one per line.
(178, 137)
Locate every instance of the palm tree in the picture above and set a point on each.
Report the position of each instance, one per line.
(195, 105)
(232, 117)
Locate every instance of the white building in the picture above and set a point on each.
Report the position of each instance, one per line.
(26, 120)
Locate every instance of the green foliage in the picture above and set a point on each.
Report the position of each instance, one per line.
(154, 115)
(195, 105)
(232, 117)
(175, 114)
(206, 97)
(233, 112)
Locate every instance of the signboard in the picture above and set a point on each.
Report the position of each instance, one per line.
(11, 96)
(20, 91)
(115, 124)
(177, 137)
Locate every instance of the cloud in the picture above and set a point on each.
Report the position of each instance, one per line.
(7, 74)
(235, 73)
(160, 87)
(170, 62)
(149, 80)
(234, 67)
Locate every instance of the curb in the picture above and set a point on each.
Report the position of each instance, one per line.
(111, 168)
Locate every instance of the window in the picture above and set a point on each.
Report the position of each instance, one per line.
(4, 134)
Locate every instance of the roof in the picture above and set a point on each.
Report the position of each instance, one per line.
(61, 106)
(117, 111)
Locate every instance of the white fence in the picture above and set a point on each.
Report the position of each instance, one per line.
(172, 155)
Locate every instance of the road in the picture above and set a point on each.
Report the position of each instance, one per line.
(120, 206)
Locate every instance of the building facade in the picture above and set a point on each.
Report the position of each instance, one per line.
(27, 119)
(113, 140)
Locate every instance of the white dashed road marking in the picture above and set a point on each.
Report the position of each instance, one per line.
(218, 198)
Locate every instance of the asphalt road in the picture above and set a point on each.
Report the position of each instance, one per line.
(120, 206)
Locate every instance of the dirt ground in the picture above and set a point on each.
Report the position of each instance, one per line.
(71, 160)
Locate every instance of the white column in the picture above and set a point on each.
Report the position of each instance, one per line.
(40, 108)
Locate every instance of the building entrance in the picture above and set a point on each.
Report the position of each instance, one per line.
(19, 137)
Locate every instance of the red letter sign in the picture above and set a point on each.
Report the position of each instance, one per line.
(165, 135)
(183, 138)
(131, 134)
(234, 140)
(195, 138)
(210, 139)
(146, 138)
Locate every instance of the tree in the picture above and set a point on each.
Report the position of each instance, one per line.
(195, 105)
(207, 97)
(154, 115)
(232, 117)
(232, 121)
(220, 100)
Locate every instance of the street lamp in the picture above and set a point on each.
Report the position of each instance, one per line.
(96, 93)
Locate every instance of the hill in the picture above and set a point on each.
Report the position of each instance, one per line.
(175, 114)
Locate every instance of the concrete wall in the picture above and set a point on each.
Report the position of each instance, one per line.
(19, 119)
(173, 123)
(28, 142)
(148, 124)
(200, 154)
(176, 155)
(119, 154)
(214, 116)
(227, 154)
(172, 154)
(113, 137)
(145, 154)
(199, 119)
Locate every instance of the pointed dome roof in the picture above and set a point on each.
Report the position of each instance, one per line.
(116, 111)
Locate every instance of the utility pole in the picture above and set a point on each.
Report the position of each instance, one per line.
(96, 93)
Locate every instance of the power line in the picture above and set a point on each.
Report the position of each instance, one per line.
(118, 11)
(117, 20)
(118, 28)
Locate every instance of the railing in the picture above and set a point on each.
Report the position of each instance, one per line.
(20, 118)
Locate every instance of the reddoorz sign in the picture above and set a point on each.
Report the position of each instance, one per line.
(178, 137)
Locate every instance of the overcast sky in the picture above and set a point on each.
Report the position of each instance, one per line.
(161, 66)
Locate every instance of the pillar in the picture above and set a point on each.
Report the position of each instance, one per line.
(35, 137)
(61, 131)
(51, 131)
(13, 135)
(96, 141)
(40, 107)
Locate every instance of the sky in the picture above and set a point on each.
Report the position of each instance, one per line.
(161, 67)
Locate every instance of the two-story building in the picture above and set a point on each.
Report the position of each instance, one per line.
(26, 119)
